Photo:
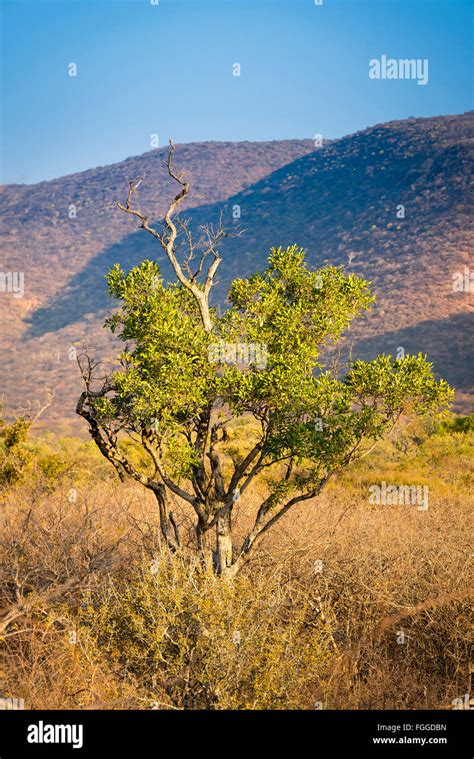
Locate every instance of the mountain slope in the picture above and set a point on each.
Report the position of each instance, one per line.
(344, 206)
(69, 221)
(342, 203)
(51, 231)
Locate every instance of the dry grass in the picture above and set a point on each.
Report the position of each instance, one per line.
(100, 617)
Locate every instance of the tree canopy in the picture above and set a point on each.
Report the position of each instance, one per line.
(187, 373)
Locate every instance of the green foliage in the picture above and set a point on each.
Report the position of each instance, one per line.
(15, 454)
(463, 424)
(167, 379)
(44, 461)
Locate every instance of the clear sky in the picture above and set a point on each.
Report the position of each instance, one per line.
(167, 69)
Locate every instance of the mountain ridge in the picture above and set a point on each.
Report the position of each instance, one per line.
(339, 202)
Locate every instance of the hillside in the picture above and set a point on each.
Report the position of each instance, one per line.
(39, 238)
(341, 205)
(339, 202)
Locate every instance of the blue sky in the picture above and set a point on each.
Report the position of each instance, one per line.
(166, 69)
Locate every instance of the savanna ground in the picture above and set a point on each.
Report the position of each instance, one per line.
(345, 605)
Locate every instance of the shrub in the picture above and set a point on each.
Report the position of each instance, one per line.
(195, 642)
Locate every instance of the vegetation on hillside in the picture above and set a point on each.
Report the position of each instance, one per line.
(343, 198)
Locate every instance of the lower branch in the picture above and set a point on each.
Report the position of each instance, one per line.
(259, 529)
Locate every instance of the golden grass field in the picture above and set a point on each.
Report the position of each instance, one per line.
(345, 604)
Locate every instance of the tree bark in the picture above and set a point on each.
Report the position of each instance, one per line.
(223, 552)
(168, 526)
(204, 545)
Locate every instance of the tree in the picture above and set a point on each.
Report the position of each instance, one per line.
(186, 373)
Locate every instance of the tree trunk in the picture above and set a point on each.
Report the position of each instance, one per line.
(223, 552)
(168, 526)
(204, 545)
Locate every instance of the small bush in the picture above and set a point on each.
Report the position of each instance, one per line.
(15, 454)
(458, 424)
(194, 641)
